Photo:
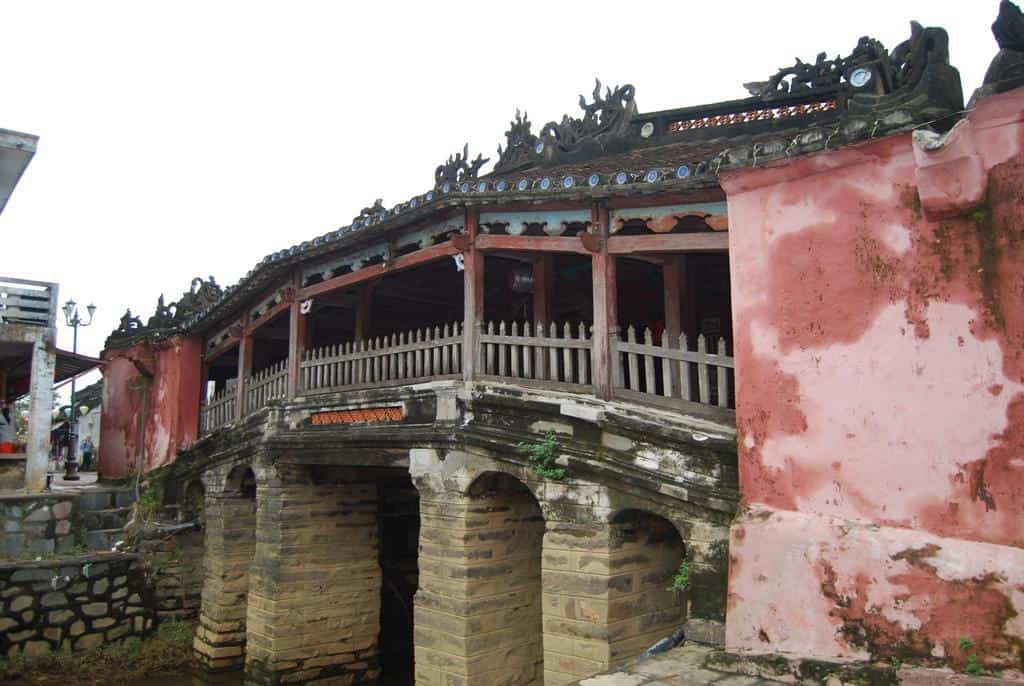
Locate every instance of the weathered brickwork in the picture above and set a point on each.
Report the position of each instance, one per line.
(478, 613)
(315, 587)
(230, 543)
(434, 550)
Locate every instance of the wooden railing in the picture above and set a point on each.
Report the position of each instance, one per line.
(266, 385)
(546, 355)
(521, 352)
(398, 359)
(218, 411)
(670, 369)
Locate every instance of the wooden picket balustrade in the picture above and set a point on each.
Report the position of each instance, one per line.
(422, 354)
(545, 355)
(218, 411)
(266, 385)
(538, 353)
(670, 369)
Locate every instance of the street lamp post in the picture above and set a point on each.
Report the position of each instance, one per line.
(74, 321)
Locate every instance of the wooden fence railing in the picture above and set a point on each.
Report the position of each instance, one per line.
(217, 411)
(548, 355)
(523, 352)
(389, 360)
(266, 385)
(671, 370)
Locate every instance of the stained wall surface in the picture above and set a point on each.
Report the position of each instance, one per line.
(878, 304)
(159, 382)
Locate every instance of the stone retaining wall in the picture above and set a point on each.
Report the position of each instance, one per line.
(76, 603)
(38, 524)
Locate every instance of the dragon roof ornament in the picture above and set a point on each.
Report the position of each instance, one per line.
(1007, 68)
(521, 145)
(201, 296)
(458, 168)
(605, 121)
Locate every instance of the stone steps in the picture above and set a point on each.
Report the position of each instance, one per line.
(104, 514)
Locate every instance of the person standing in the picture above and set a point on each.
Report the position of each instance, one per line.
(87, 449)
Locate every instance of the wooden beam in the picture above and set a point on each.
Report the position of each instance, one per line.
(606, 318)
(670, 242)
(225, 346)
(296, 341)
(267, 316)
(710, 195)
(570, 244)
(375, 271)
(473, 299)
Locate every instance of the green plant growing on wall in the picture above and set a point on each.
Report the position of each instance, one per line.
(542, 456)
(148, 502)
(973, 666)
(681, 581)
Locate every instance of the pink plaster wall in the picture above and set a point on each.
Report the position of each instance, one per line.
(878, 305)
(171, 413)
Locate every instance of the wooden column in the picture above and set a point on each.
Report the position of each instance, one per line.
(673, 275)
(365, 310)
(296, 343)
(543, 282)
(244, 367)
(473, 299)
(606, 316)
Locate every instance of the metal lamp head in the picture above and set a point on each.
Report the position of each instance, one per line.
(91, 309)
(69, 309)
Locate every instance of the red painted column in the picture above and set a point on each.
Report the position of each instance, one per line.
(473, 299)
(365, 310)
(296, 344)
(244, 367)
(673, 272)
(606, 316)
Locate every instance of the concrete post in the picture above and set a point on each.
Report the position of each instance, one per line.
(44, 362)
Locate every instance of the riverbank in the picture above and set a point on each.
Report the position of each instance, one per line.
(168, 649)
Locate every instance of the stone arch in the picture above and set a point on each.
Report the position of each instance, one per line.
(229, 510)
(241, 482)
(193, 501)
(647, 551)
(510, 537)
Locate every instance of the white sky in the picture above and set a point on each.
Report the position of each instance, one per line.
(183, 139)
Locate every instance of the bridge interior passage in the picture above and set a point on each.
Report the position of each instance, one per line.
(661, 334)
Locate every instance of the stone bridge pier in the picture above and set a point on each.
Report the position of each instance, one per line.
(445, 567)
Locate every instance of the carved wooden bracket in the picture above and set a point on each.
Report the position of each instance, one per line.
(462, 242)
(591, 241)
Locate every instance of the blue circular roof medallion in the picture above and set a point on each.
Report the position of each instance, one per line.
(398, 209)
(652, 175)
(430, 195)
(464, 188)
(539, 148)
(523, 184)
(500, 186)
(682, 171)
(545, 183)
(568, 182)
(414, 202)
(621, 178)
(446, 187)
(593, 179)
(481, 187)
